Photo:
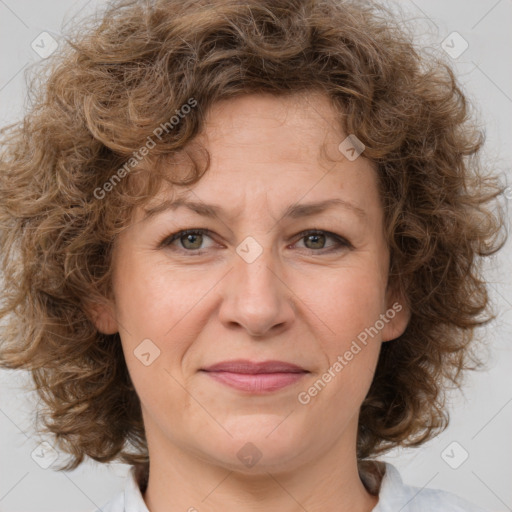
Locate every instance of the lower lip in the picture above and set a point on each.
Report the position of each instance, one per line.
(256, 382)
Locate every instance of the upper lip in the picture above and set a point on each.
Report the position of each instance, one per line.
(253, 367)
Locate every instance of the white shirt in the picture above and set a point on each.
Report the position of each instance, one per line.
(394, 496)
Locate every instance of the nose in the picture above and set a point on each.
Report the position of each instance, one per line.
(256, 297)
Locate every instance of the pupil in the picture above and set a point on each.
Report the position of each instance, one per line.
(190, 238)
(316, 239)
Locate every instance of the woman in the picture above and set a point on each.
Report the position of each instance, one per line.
(245, 242)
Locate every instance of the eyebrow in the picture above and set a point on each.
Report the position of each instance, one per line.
(293, 211)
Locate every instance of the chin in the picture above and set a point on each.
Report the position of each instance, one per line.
(261, 443)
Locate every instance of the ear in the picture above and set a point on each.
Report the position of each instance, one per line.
(103, 317)
(398, 313)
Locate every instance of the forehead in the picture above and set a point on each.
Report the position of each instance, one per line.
(290, 125)
(270, 150)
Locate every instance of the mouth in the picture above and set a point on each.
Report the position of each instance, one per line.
(255, 377)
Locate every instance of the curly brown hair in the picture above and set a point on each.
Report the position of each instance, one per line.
(104, 96)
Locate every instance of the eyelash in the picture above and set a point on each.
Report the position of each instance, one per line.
(342, 242)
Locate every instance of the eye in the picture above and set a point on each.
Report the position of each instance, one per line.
(315, 240)
(188, 239)
(191, 240)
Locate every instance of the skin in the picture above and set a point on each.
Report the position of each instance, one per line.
(302, 301)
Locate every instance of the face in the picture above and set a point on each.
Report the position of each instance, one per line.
(285, 261)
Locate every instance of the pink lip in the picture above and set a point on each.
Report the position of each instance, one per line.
(255, 377)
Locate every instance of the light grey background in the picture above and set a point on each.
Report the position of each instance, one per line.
(481, 417)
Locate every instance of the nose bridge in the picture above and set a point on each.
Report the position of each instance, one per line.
(255, 266)
(256, 297)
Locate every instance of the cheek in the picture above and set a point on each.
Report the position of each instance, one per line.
(345, 307)
(155, 302)
(147, 308)
(348, 309)
(152, 298)
(345, 301)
